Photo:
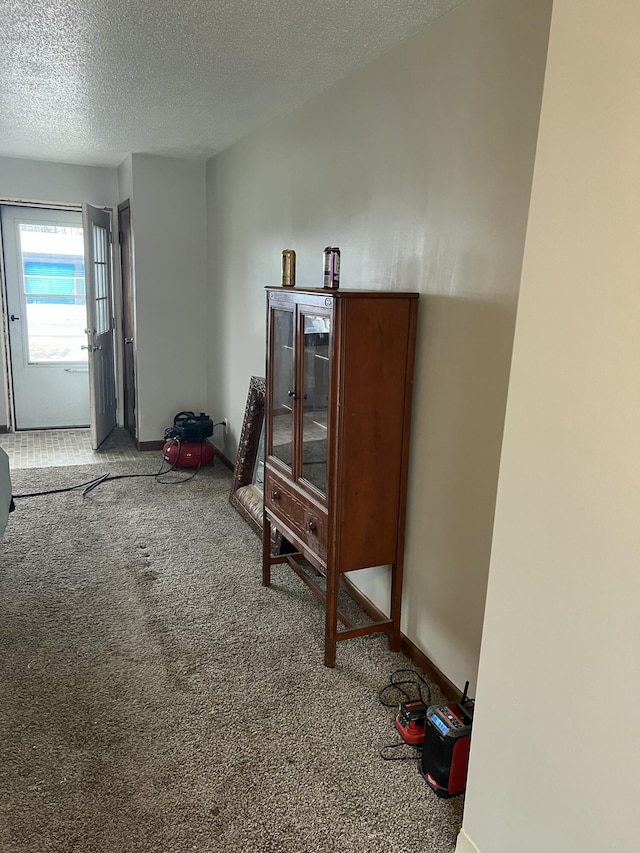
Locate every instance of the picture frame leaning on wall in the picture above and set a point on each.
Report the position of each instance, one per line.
(248, 474)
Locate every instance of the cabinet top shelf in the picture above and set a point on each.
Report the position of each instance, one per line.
(345, 294)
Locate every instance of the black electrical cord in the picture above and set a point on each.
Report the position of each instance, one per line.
(92, 484)
(404, 689)
(416, 680)
(89, 483)
(416, 751)
(185, 479)
(105, 478)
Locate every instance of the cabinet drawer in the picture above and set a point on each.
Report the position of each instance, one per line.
(305, 519)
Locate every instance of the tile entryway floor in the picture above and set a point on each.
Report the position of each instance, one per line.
(45, 448)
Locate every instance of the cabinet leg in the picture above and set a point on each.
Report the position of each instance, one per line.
(330, 653)
(266, 550)
(331, 619)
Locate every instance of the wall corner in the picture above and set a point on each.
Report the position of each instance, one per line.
(465, 844)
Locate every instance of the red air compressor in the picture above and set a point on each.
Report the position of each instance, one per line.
(186, 444)
(187, 454)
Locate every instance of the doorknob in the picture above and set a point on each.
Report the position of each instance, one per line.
(128, 340)
(89, 347)
(13, 318)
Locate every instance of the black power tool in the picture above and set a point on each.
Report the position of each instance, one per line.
(188, 426)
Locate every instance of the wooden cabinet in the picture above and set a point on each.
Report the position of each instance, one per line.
(337, 416)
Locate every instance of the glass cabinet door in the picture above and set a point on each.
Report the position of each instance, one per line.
(282, 384)
(316, 334)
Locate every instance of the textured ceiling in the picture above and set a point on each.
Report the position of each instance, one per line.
(90, 81)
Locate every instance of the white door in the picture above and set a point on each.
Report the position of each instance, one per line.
(100, 340)
(44, 271)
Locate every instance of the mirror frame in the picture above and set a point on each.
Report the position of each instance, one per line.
(241, 498)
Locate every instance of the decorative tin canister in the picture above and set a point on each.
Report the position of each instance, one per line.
(288, 268)
(331, 268)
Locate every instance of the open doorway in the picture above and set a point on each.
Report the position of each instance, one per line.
(59, 319)
(46, 316)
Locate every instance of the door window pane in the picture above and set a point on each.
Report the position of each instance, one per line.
(52, 262)
(100, 250)
(56, 332)
(282, 386)
(317, 332)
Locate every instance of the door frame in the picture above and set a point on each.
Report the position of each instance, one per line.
(127, 290)
(6, 375)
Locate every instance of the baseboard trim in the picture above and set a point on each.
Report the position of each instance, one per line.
(150, 445)
(465, 844)
(415, 655)
(226, 462)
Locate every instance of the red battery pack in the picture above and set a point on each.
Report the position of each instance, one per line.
(410, 722)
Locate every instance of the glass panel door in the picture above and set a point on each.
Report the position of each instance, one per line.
(52, 262)
(100, 271)
(282, 385)
(316, 330)
(102, 385)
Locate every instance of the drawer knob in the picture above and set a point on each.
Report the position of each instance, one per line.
(310, 526)
(275, 495)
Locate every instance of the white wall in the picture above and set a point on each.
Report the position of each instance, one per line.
(555, 749)
(125, 179)
(57, 183)
(419, 168)
(171, 330)
(53, 183)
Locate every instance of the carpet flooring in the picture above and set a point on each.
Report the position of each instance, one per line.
(155, 698)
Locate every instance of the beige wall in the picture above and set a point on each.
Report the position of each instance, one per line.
(555, 749)
(419, 168)
(168, 217)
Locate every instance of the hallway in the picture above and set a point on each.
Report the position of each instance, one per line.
(56, 447)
